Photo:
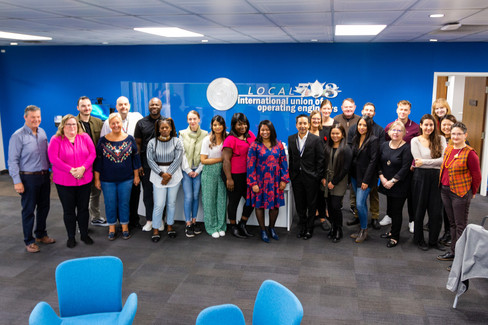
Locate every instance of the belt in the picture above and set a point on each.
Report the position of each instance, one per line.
(42, 172)
(164, 163)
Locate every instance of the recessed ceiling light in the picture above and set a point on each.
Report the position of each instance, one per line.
(314, 40)
(436, 15)
(168, 32)
(13, 43)
(24, 37)
(104, 43)
(358, 30)
(204, 40)
(433, 40)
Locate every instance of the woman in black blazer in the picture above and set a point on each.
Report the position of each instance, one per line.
(363, 170)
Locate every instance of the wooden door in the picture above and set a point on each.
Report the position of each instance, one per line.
(441, 87)
(474, 111)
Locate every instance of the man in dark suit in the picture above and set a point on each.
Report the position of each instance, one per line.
(306, 168)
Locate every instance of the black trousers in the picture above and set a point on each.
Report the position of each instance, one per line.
(35, 205)
(334, 206)
(457, 209)
(321, 203)
(134, 205)
(305, 194)
(394, 209)
(427, 196)
(240, 190)
(147, 196)
(75, 200)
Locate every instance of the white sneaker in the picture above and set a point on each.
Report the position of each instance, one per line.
(410, 227)
(162, 227)
(385, 221)
(215, 235)
(221, 233)
(148, 226)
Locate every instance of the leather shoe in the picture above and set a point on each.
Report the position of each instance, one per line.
(155, 238)
(423, 246)
(243, 229)
(438, 247)
(375, 224)
(337, 235)
(87, 240)
(46, 240)
(391, 243)
(32, 248)
(273, 234)
(353, 221)
(264, 236)
(448, 256)
(236, 232)
(71, 243)
(386, 235)
(301, 233)
(307, 235)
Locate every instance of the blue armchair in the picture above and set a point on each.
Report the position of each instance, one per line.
(221, 315)
(81, 301)
(276, 305)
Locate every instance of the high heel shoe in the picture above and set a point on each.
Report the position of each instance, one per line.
(264, 236)
(273, 234)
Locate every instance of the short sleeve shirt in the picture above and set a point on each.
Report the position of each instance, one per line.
(239, 147)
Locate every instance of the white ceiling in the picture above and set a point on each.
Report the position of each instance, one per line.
(97, 22)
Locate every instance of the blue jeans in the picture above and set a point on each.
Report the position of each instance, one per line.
(164, 196)
(116, 197)
(361, 204)
(191, 188)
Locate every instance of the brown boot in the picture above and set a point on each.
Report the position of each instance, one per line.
(363, 233)
(356, 234)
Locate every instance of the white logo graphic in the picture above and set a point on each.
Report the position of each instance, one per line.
(316, 89)
(222, 94)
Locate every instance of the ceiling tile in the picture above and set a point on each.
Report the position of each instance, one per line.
(422, 17)
(291, 6)
(372, 5)
(214, 6)
(450, 4)
(300, 19)
(366, 18)
(240, 20)
(181, 21)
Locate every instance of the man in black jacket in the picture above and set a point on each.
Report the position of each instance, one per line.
(306, 168)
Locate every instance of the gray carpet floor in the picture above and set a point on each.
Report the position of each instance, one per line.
(343, 283)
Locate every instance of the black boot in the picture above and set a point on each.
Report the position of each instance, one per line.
(242, 228)
(236, 232)
(332, 231)
(338, 235)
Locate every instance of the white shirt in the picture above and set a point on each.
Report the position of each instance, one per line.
(301, 142)
(211, 153)
(128, 125)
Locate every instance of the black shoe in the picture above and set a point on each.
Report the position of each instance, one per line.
(155, 238)
(87, 240)
(391, 243)
(308, 235)
(332, 232)
(325, 225)
(438, 247)
(71, 243)
(196, 229)
(236, 232)
(446, 238)
(375, 224)
(301, 233)
(449, 268)
(447, 256)
(242, 227)
(338, 235)
(386, 235)
(189, 231)
(172, 233)
(423, 246)
(353, 221)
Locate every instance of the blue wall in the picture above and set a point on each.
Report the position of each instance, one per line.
(384, 73)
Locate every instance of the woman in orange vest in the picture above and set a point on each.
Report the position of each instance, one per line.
(460, 179)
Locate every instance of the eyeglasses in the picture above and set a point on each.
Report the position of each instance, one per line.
(395, 130)
(70, 124)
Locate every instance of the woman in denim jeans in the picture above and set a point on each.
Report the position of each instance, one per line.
(116, 169)
(363, 170)
(164, 154)
(192, 138)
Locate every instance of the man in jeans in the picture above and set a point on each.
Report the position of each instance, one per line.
(92, 126)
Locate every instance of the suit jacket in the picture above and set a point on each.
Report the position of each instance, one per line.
(311, 163)
(365, 160)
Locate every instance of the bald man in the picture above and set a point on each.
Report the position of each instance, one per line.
(143, 133)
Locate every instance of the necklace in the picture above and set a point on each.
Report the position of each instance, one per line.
(456, 156)
(164, 139)
(388, 162)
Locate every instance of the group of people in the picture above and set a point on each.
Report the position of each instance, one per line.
(428, 165)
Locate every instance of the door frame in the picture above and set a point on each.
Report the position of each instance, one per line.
(484, 158)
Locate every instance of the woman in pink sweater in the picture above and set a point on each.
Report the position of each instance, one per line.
(71, 153)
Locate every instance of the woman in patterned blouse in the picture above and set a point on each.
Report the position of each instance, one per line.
(267, 176)
(116, 169)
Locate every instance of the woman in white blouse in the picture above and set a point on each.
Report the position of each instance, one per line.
(214, 193)
(427, 151)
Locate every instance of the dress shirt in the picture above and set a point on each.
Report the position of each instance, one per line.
(128, 125)
(301, 142)
(27, 152)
